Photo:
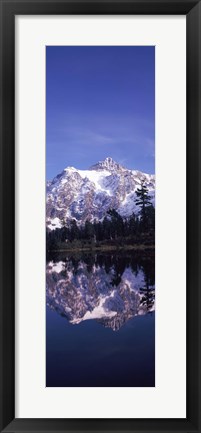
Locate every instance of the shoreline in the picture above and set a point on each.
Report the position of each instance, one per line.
(104, 248)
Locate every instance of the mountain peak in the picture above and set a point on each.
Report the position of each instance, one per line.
(107, 164)
(83, 195)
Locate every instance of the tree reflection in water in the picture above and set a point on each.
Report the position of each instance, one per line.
(109, 288)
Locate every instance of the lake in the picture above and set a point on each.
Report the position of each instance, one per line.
(100, 319)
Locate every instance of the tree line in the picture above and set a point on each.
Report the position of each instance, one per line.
(112, 228)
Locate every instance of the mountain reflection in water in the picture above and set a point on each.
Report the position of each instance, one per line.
(109, 288)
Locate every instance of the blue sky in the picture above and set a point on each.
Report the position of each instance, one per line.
(100, 101)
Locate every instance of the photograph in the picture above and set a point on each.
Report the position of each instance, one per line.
(100, 118)
(100, 216)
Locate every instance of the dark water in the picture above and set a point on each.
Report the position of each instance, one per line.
(100, 320)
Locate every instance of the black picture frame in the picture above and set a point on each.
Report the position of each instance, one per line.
(8, 10)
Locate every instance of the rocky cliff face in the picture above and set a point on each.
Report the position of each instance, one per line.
(89, 194)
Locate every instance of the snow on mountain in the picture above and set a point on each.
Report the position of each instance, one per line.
(89, 194)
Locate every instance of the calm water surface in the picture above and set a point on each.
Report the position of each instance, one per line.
(100, 320)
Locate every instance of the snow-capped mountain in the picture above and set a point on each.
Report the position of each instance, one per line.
(88, 194)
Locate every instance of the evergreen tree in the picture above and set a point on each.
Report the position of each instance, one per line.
(116, 223)
(89, 230)
(98, 228)
(144, 201)
(133, 225)
(151, 216)
(106, 229)
(74, 230)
